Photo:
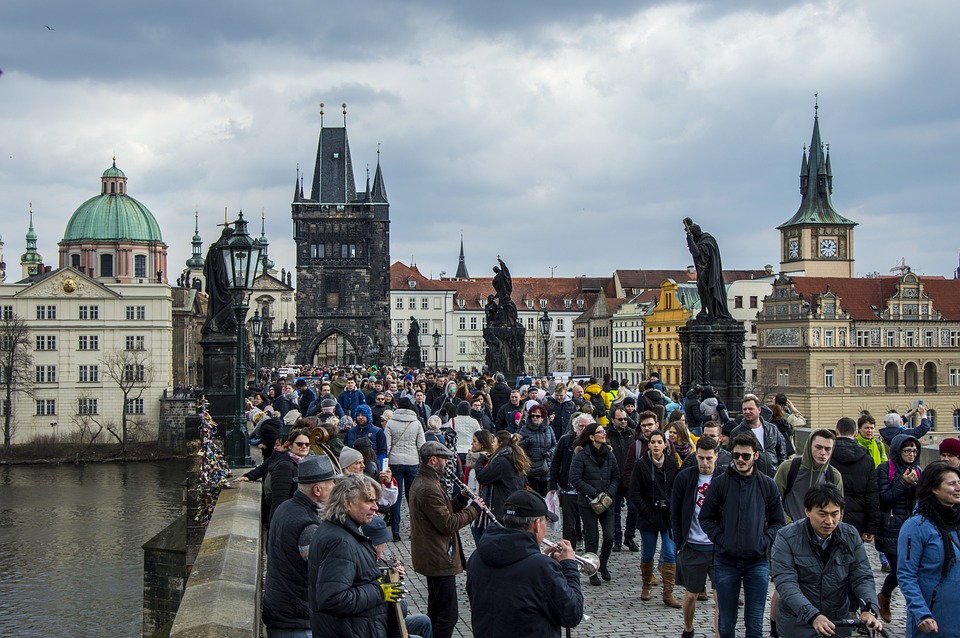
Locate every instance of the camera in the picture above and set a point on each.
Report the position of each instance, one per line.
(661, 504)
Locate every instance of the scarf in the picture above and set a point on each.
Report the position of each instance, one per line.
(874, 448)
(947, 520)
(599, 453)
(682, 450)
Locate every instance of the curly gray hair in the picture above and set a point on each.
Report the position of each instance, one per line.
(349, 488)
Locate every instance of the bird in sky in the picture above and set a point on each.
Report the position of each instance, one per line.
(49, 28)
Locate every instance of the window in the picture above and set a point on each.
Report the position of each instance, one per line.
(412, 303)
(460, 302)
(88, 374)
(136, 313)
(46, 374)
(567, 303)
(46, 312)
(106, 265)
(891, 338)
(46, 342)
(579, 304)
(135, 343)
(863, 338)
(462, 323)
(399, 327)
(560, 351)
(139, 270)
(462, 346)
(89, 312)
(134, 372)
(955, 338)
(424, 328)
(399, 304)
(88, 342)
(134, 406)
(424, 303)
(86, 406)
(46, 407)
(8, 312)
(473, 323)
(828, 378)
(954, 376)
(754, 301)
(529, 323)
(543, 304)
(561, 324)
(828, 338)
(864, 378)
(783, 376)
(956, 420)
(911, 337)
(348, 251)
(738, 301)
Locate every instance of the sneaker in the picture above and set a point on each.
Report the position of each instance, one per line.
(617, 547)
(631, 545)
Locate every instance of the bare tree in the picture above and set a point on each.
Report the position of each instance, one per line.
(131, 372)
(17, 369)
(89, 427)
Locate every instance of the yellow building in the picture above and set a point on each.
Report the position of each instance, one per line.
(674, 308)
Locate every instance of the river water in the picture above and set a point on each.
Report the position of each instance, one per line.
(70, 537)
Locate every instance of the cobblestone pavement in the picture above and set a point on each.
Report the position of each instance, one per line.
(614, 608)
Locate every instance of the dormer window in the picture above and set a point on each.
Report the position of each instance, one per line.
(482, 302)
(543, 304)
(529, 303)
(567, 303)
(411, 283)
(460, 302)
(579, 304)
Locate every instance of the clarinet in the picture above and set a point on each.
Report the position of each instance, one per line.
(476, 499)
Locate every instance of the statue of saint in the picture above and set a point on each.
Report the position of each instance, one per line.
(220, 317)
(503, 284)
(413, 335)
(710, 285)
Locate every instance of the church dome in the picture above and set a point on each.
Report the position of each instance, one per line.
(113, 215)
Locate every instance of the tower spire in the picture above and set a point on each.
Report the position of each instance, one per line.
(462, 266)
(31, 261)
(196, 254)
(264, 244)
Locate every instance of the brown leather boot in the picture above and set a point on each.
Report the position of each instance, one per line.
(885, 614)
(646, 572)
(669, 573)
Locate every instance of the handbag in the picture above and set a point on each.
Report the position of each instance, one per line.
(601, 503)
(538, 470)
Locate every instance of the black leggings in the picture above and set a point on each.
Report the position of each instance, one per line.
(891, 581)
(590, 536)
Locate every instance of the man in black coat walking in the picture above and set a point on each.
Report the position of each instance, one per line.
(860, 491)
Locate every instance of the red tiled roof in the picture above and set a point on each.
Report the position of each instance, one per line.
(401, 274)
(641, 279)
(858, 295)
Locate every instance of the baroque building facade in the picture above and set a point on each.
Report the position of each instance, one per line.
(342, 240)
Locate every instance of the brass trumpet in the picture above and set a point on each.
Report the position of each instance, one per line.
(589, 563)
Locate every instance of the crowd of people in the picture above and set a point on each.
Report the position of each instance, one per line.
(736, 502)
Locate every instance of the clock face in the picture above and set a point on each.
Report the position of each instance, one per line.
(793, 248)
(828, 247)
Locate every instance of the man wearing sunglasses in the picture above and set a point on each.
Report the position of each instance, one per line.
(741, 515)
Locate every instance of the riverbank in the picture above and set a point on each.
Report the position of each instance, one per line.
(33, 454)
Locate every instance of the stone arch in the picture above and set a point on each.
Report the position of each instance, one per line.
(930, 377)
(332, 347)
(891, 377)
(911, 377)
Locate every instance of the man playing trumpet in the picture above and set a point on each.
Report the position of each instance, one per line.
(545, 592)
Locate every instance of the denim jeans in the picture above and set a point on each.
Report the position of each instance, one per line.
(648, 546)
(727, 579)
(404, 475)
(419, 625)
(288, 633)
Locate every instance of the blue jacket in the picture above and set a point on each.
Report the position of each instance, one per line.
(742, 517)
(349, 399)
(919, 561)
(544, 595)
(378, 439)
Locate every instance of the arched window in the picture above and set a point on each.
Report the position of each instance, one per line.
(932, 415)
(956, 420)
(891, 377)
(910, 377)
(929, 377)
(140, 265)
(106, 265)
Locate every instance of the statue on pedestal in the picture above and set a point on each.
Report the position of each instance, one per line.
(504, 334)
(710, 284)
(220, 316)
(412, 357)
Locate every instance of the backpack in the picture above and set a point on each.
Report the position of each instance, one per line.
(795, 471)
(599, 407)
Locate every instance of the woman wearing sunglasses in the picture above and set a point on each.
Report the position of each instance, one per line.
(279, 482)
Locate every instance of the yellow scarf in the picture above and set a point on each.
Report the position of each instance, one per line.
(875, 448)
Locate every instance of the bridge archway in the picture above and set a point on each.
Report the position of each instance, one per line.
(333, 348)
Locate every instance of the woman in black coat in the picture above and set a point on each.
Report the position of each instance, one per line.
(499, 476)
(897, 480)
(651, 485)
(594, 472)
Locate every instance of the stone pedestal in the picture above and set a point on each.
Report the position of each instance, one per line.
(219, 376)
(413, 358)
(713, 355)
(505, 346)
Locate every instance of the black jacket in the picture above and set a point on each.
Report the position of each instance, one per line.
(590, 478)
(741, 517)
(897, 499)
(504, 418)
(682, 501)
(345, 596)
(279, 481)
(499, 396)
(558, 414)
(650, 489)
(860, 493)
(724, 459)
(285, 585)
(498, 479)
(560, 463)
(620, 441)
(774, 450)
(544, 595)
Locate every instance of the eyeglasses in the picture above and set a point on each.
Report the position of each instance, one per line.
(536, 416)
(600, 431)
(623, 419)
(302, 443)
(908, 450)
(743, 456)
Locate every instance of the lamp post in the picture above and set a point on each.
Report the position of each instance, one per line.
(256, 326)
(436, 349)
(241, 256)
(546, 322)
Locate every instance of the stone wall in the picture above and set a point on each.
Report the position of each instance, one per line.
(164, 576)
(173, 414)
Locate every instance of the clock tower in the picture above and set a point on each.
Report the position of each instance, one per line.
(817, 240)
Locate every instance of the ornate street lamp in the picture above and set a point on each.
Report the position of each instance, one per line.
(241, 256)
(546, 323)
(256, 326)
(436, 349)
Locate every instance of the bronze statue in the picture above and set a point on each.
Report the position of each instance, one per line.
(710, 284)
(504, 334)
(503, 284)
(220, 317)
(413, 335)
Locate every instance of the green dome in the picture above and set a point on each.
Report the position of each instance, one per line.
(113, 171)
(112, 218)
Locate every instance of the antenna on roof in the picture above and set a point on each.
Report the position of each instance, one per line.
(816, 102)
(344, 105)
(552, 268)
(321, 114)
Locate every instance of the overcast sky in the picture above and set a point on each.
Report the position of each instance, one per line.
(553, 133)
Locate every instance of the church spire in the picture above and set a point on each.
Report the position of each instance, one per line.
(462, 266)
(816, 185)
(31, 261)
(264, 244)
(196, 253)
(379, 190)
